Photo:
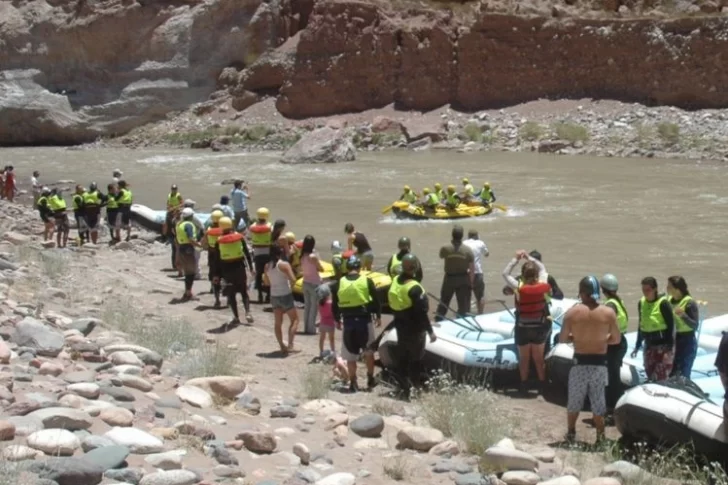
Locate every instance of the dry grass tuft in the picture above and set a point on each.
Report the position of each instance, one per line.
(398, 468)
(315, 382)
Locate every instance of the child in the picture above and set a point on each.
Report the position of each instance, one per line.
(340, 369)
(327, 325)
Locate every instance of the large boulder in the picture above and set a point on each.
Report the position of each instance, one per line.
(32, 333)
(324, 145)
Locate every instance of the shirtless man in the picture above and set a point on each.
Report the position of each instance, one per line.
(591, 327)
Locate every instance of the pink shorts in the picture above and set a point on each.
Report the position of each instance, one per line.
(323, 328)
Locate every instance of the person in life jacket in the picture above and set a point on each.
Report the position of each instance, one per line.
(294, 253)
(232, 254)
(687, 321)
(337, 260)
(468, 192)
(78, 214)
(452, 199)
(187, 238)
(533, 327)
(394, 266)
(430, 202)
(656, 330)
(92, 202)
(46, 214)
(113, 217)
(261, 237)
(486, 195)
(58, 205)
(209, 243)
(408, 196)
(354, 301)
(175, 202)
(439, 192)
(409, 304)
(615, 353)
(125, 201)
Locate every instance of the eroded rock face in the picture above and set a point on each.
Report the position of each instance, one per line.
(70, 74)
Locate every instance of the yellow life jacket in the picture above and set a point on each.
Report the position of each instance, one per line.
(353, 294)
(680, 324)
(651, 319)
(231, 247)
(126, 197)
(56, 203)
(622, 317)
(398, 295)
(182, 235)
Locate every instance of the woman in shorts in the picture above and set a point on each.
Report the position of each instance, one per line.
(281, 279)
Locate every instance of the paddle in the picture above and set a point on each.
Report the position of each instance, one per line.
(387, 209)
(500, 207)
(474, 325)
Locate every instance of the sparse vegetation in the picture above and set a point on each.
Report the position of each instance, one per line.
(386, 407)
(398, 468)
(571, 132)
(315, 381)
(240, 135)
(471, 415)
(209, 360)
(473, 132)
(678, 463)
(669, 133)
(531, 131)
(643, 134)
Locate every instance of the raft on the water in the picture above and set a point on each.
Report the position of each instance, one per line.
(673, 414)
(153, 220)
(381, 281)
(404, 210)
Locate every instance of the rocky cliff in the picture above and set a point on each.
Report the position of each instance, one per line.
(71, 71)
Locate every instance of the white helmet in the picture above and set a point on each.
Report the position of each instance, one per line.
(609, 282)
(217, 207)
(336, 246)
(187, 212)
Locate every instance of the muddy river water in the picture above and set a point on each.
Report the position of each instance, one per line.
(631, 217)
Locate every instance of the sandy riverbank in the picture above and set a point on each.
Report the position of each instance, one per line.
(68, 316)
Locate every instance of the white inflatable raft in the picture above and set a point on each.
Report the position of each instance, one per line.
(672, 416)
(153, 220)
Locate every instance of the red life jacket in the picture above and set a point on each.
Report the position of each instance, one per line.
(531, 303)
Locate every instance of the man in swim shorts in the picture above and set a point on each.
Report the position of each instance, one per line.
(591, 327)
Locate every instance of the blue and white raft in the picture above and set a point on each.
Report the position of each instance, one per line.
(153, 220)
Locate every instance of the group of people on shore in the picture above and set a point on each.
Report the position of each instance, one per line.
(449, 198)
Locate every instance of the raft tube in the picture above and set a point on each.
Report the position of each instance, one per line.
(153, 220)
(404, 210)
(673, 416)
(381, 281)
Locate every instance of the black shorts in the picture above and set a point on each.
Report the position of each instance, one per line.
(357, 335)
(479, 286)
(125, 212)
(62, 222)
(112, 216)
(236, 280)
(92, 221)
(532, 334)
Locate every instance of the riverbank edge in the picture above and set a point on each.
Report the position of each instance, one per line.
(583, 127)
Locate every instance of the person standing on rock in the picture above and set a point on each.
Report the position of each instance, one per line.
(125, 201)
(79, 215)
(240, 196)
(592, 328)
(354, 300)
(616, 352)
(231, 255)
(209, 243)
(46, 214)
(656, 330)
(261, 237)
(187, 241)
(408, 301)
(480, 251)
(394, 267)
(459, 275)
(357, 240)
(58, 206)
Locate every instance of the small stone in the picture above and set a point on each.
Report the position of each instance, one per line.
(118, 394)
(20, 453)
(170, 477)
(249, 404)
(63, 418)
(625, 471)
(302, 452)
(504, 459)
(58, 442)
(368, 426)
(226, 471)
(308, 475)
(135, 382)
(125, 357)
(125, 475)
(89, 390)
(170, 460)
(283, 412)
(448, 447)
(139, 442)
(171, 402)
(258, 441)
(602, 481)
(371, 444)
(116, 416)
(228, 387)
(7, 431)
(194, 396)
(107, 457)
(50, 369)
(92, 442)
(419, 438)
(338, 479)
(505, 443)
(473, 479)
(545, 454)
(565, 480)
(520, 478)
(335, 420)
(324, 407)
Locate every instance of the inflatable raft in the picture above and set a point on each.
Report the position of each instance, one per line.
(404, 210)
(381, 281)
(153, 220)
(673, 415)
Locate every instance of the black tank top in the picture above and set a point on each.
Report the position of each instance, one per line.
(361, 244)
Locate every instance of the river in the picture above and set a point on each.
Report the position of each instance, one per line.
(631, 217)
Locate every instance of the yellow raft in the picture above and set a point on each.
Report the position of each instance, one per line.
(404, 210)
(381, 281)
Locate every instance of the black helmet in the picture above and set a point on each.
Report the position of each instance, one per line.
(409, 262)
(92, 187)
(404, 242)
(353, 262)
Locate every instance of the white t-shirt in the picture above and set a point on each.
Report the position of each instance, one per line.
(35, 184)
(480, 251)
